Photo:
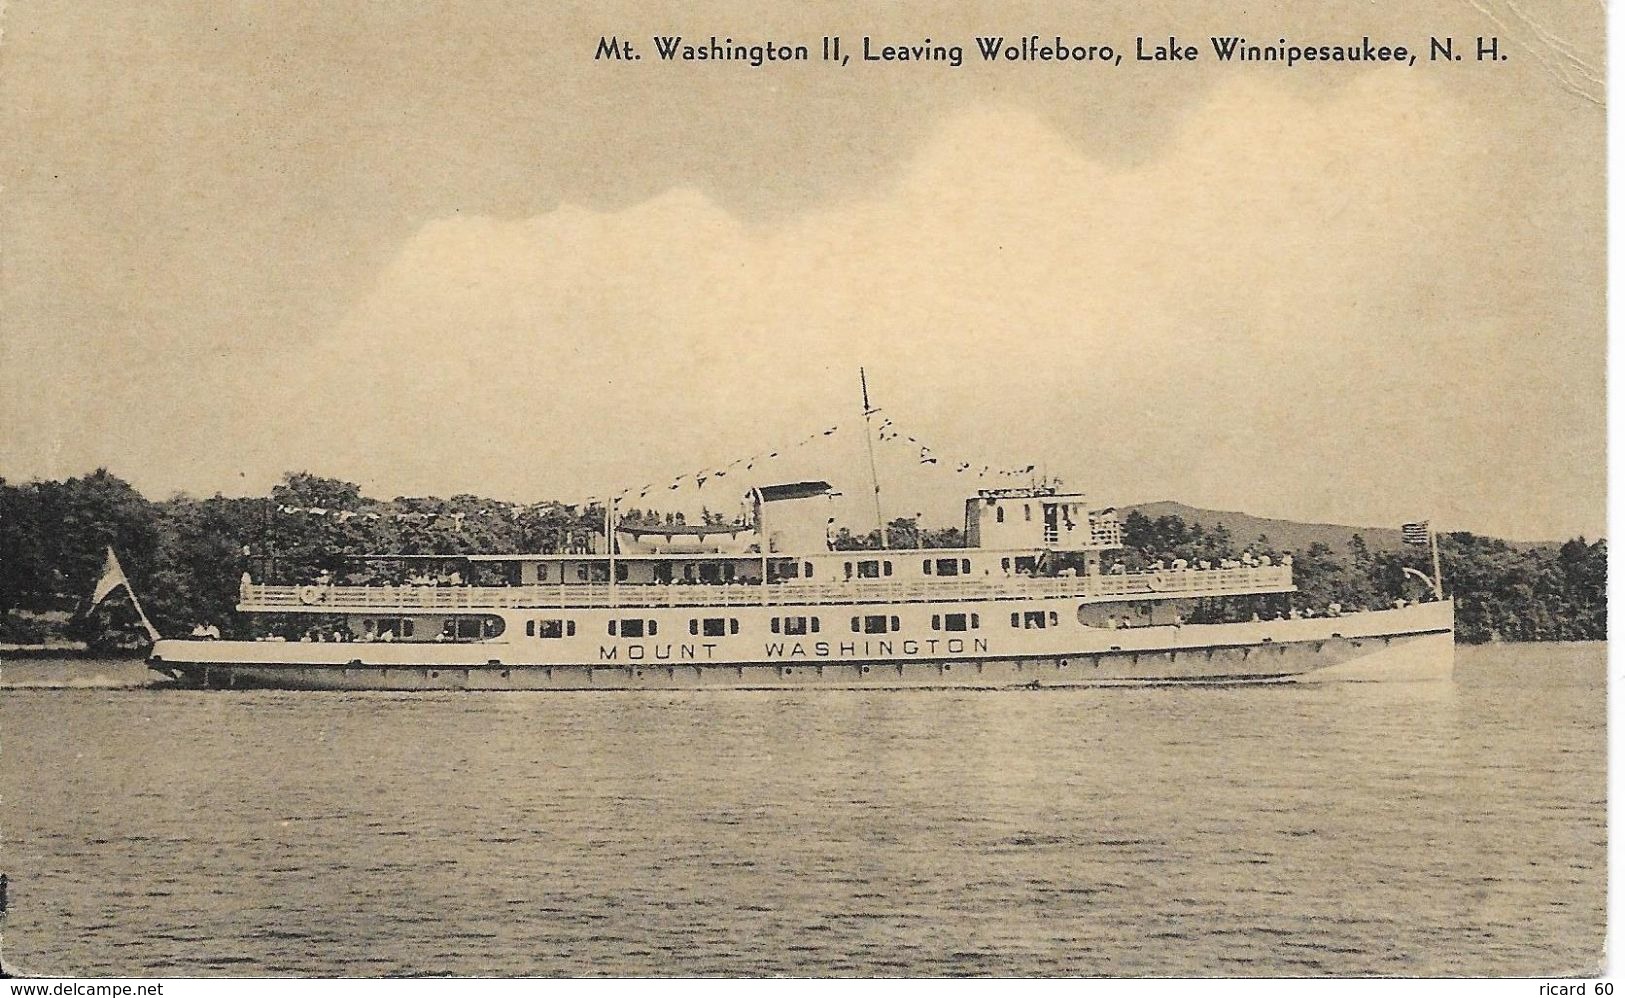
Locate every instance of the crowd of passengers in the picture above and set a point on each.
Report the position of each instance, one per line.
(1332, 609)
(1247, 560)
(455, 577)
(372, 634)
(452, 577)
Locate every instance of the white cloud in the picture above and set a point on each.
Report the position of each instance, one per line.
(1302, 307)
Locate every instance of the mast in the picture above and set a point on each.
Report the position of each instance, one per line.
(868, 439)
(609, 538)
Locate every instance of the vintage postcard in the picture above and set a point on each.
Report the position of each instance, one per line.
(1104, 490)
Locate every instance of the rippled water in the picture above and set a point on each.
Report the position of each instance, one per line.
(1423, 829)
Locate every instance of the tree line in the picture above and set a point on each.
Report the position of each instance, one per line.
(185, 556)
(1541, 592)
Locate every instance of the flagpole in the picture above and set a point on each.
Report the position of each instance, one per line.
(152, 632)
(1438, 580)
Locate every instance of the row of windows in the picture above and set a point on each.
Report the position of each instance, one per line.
(998, 514)
(639, 627)
(869, 568)
(551, 628)
(471, 628)
(460, 628)
(794, 625)
(716, 627)
(1035, 619)
(876, 623)
(400, 627)
(713, 627)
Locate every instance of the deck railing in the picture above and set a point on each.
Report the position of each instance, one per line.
(1153, 585)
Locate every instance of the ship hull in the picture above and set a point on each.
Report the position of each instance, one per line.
(1407, 645)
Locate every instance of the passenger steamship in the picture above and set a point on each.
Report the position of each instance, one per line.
(769, 604)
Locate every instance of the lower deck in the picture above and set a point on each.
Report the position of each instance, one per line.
(1411, 643)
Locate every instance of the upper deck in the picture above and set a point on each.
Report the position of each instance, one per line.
(1167, 584)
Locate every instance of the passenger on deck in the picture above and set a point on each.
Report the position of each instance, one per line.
(1180, 564)
(387, 635)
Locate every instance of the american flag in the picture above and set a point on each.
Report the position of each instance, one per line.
(1415, 533)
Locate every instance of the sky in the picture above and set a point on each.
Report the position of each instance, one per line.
(439, 249)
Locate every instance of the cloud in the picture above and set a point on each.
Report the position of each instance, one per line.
(1309, 307)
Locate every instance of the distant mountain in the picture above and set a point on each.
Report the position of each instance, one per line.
(1287, 535)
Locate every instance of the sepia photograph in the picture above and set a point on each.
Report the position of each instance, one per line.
(723, 490)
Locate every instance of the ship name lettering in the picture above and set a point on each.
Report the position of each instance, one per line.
(663, 653)
(850, 649)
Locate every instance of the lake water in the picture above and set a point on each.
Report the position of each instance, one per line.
(1429, 829)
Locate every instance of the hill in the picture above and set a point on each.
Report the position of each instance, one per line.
(1289, 535)
(1293, 535)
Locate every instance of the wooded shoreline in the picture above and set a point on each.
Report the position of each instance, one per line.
(186, 557)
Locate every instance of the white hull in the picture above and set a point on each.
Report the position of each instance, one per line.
(1409, 644)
